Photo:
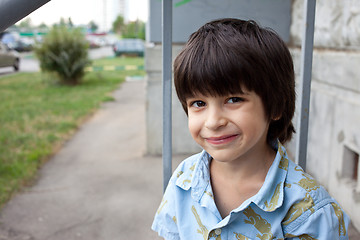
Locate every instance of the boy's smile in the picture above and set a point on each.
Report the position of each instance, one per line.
(230, 128)
(222, 139)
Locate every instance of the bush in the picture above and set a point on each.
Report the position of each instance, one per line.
(64, 52)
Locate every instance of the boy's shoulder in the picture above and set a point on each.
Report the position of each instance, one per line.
(298, 183)
(309, 206)
(184, 174)
(304, 197)
(302, 189)
(299, 177)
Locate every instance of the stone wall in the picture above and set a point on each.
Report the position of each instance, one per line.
(334, 129)
(337, 23)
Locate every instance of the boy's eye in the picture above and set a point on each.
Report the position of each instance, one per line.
(235, 100)
(198, 104)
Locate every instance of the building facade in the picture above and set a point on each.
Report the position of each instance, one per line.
(334, 129)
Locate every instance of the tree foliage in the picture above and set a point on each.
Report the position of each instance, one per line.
(135, 29)
(64, 51)
(26, 23)
(93, 26)
(118, 25)
(65, 23)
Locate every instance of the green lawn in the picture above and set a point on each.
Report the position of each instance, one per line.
(119, 61)
(37, 116)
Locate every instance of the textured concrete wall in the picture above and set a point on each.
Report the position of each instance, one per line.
(182, 141)
(337, 23)
(334, 128)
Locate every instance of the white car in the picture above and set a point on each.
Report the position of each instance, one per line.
(8, 57)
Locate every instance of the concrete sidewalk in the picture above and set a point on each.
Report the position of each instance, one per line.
(99, 186)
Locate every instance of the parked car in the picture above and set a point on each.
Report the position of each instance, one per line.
(17, 43)
(129, 47)
(8, 57)
(93, 41)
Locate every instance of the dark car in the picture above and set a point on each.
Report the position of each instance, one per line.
(21, 46)
(129, 47)
(13, 41)
(8, 57)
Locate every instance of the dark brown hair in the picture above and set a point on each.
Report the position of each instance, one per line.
(227, 54)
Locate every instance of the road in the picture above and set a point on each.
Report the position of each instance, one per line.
(28, 63)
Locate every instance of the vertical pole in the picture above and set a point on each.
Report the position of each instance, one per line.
(167, 89)
(305, 86)
(12, 11)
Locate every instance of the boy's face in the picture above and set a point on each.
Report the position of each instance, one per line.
(229, 128)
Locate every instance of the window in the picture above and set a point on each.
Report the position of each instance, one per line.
(350, 164)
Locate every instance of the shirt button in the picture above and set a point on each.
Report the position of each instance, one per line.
(218, 231)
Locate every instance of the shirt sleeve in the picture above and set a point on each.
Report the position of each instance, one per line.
(165, 223)
(328, 222)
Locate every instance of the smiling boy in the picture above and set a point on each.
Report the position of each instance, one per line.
(235, 81)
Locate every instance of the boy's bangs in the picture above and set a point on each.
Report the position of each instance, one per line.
(212, 73)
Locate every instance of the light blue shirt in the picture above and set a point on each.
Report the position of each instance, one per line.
(290, 204)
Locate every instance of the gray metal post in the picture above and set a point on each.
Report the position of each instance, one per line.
(12, 11)
(305, 86)
(167, 89)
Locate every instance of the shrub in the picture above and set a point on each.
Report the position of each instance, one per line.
(64, 51)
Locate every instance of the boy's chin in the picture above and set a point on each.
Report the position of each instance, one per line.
(224, 156)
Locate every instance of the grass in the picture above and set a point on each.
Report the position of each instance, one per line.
(117, 61)
(38, 115)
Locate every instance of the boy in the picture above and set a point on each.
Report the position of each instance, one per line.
(235, 81)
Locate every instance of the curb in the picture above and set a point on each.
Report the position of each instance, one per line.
(113, 68)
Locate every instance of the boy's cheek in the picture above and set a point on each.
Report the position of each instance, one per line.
(194, 125)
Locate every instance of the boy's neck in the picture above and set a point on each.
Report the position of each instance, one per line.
(254, 166)
(235, 182)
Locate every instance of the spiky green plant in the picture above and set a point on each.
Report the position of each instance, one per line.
(64, 51)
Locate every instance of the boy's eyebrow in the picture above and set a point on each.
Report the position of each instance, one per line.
(199, 95)
(194, 98)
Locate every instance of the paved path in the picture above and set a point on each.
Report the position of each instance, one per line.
(99, 186)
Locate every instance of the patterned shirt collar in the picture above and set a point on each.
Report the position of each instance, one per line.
(198, 178)
(270, 196)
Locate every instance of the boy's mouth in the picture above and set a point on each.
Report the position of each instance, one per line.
(222, 139)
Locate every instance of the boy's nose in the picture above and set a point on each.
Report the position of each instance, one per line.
(215, 119)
